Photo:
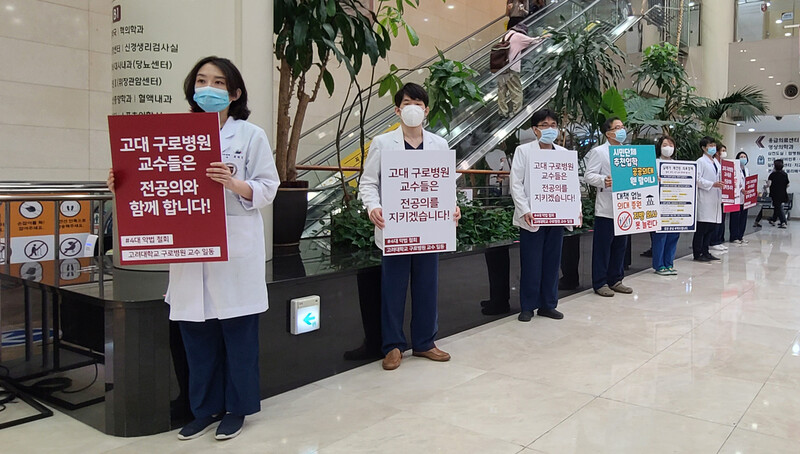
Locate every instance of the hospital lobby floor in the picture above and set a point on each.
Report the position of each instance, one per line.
(707, 361)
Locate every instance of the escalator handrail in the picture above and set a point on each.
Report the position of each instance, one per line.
(387, 113)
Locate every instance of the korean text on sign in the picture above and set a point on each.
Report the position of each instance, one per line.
(555, 189)
(635, 189)
(418, 195)
(161, 188)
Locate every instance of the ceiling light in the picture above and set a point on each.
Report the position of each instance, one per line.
(9, 7)
(752, 59)
(778, 21)
(769, 3)
(738, 124)
(451, 6)
(751, 130)
(426, 19)
(771, 77)
(787, 34)
(691, 3)
(777, 83)
(762, 69)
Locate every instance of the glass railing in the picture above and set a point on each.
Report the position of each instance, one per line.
(477, 128)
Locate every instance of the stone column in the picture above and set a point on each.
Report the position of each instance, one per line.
(716, 34)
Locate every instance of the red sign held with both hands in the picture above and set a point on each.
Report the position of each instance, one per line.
(168, 210)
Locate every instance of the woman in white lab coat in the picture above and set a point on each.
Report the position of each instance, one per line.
(709, 200)
(217, 303)
(738, 219)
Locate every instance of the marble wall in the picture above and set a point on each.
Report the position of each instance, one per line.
(56, 80)
(56, 92)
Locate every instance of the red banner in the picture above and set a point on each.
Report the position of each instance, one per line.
(750, 191)
(168, 211)
(728, 183)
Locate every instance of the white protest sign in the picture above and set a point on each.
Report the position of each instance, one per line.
(554, 187)
(418, 195)
(678, 195)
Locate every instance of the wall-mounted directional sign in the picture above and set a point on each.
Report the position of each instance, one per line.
(304, 314)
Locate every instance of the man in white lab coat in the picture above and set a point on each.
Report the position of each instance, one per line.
(709, 200)
(608, 251)
(411, 105)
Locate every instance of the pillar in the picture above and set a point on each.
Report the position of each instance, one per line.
(716, 34)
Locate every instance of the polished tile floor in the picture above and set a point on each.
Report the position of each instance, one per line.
(707, 361)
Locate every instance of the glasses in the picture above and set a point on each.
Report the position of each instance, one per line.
(617, 128)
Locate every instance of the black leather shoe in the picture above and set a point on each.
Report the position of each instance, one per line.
(710, 257)
(525, 316)
(485, 303)
(702, 259)
(550, 313)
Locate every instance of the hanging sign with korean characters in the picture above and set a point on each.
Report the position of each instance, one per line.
(168, 211)
(555, 189)
(728, 177)
(750, 191)
(418, 194)
(677, 195)
(634, 188)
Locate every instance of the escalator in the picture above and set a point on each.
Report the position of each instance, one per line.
(476, 128)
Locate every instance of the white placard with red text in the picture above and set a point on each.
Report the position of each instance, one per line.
(418, 196)
(555, 189)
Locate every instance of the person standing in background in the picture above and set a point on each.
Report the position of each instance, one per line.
(516, 12)
(738, 219)
(718, 237)
(509, 83)
(778, 184)
(664, 243)
(709, 200)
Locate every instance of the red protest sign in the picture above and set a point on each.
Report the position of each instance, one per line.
(728, 182)
(750, 191)
(168, 211)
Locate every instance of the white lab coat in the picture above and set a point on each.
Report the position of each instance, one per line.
(598, 167)
(221, 290)
(369, 189)
(521, 184)
(709, 198)
(741, 175)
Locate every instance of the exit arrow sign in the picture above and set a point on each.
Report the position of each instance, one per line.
(758, 142)
(309, 319)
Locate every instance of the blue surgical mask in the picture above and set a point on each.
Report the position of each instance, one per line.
(711, 151)
(620, 135)
(743, 161)
(211, 99)
(549, 135)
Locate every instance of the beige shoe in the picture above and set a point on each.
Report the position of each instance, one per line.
(604, 291)
(434, 354)
(392, 359)
(619, 287)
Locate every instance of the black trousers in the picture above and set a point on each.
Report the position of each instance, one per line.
(702, 238)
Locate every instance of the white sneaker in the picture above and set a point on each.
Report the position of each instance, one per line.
(736, 241)
(724, 248)
(717, 247)
(745, 241)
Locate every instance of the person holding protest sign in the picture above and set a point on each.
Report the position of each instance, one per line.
(608, 251)
(709, 200)
(738, 219)
(217, 304)
(718, 237)
(664, 243)
(540, 245)
(411, 105)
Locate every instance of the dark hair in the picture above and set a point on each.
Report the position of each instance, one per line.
(721, 146)
(739, 155)
(607, 124)
(778, 164)
(519, 28)
(707, 140)
(660, 142)
(413, 91)
(543, 114)
(233, 79)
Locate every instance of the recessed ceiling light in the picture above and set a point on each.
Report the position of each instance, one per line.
(450, 6)
(751, 130)
(787, 34)
(762, 69)
(777, 83)
(771, 77)
(778, 21)
(752, 59)
(738, 124)
(691, 3)
(426, 19)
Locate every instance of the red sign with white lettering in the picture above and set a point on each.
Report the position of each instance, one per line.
(750, 191)
(168, 210)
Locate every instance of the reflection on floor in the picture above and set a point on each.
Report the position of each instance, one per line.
(707, 361)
